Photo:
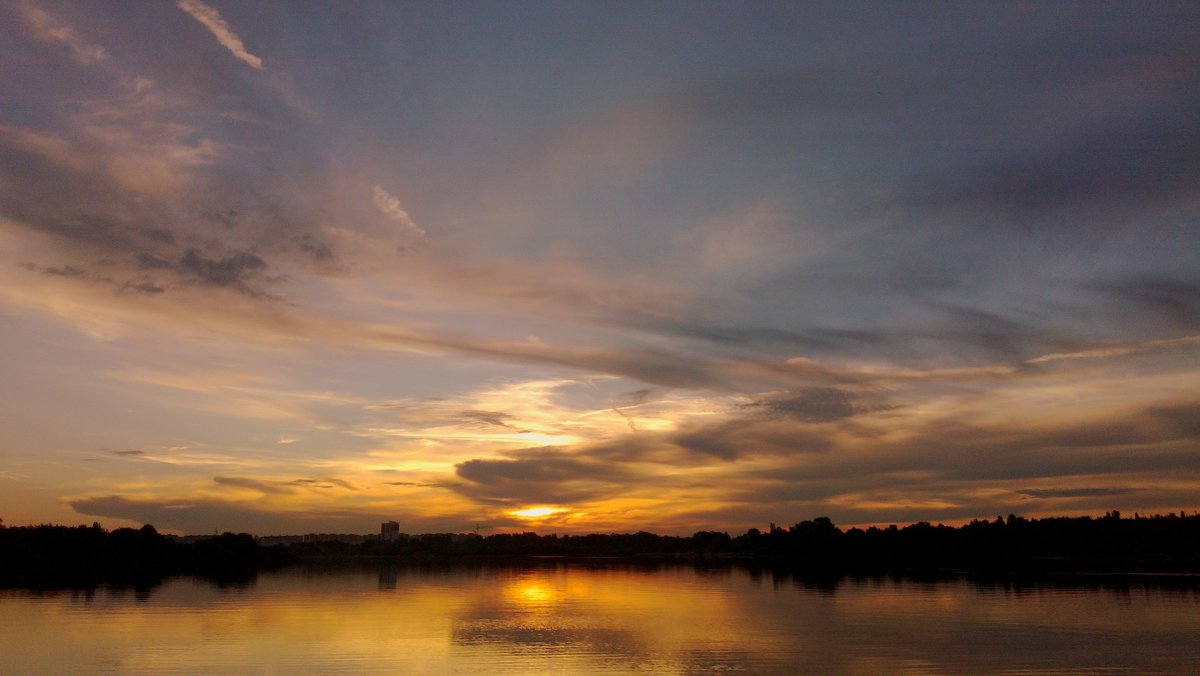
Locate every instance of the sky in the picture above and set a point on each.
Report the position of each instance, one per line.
(286, 267)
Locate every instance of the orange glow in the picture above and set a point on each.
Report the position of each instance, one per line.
(537, 512)
(532, 592)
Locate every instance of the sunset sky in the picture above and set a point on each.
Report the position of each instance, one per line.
(287, 267)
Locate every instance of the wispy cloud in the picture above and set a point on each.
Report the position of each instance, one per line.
(49, 28)
(390, 206)
(266, 487)
(1119, 350)
(212, 20)
(204, 514)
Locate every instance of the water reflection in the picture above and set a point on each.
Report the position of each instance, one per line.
(570, 618)
(388, 575)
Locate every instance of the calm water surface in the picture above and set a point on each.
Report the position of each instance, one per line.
(575, 619)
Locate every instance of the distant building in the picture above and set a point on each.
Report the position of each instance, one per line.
(270, 540)
(347, 538)
(188, 539)
(389, 531)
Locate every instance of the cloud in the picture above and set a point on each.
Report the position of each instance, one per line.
(148, 261)
(540, 476)
(105, 183)
(1165, 300)
(234, 271)
(415, 484)
(739, 438)
(1113, 350)
(877, 465)
(1144, 164)
(1085, 492)
(487, 419)
(816, 404)
(207, 515)
(65, 271)
(49, 28)
(144, 287)
(390, 206)
(961, 448)
(240, 271)
(630, 400)
(48, 147)
(267, 487)
(324, 483)
(320, 251)
(211, 19)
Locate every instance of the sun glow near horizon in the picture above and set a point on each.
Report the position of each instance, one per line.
(537, 513)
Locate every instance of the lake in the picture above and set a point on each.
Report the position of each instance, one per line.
(604, 619)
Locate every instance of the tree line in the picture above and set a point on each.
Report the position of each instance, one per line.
(1156, 543)
(88, 555)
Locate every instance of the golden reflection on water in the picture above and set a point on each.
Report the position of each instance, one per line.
(532, 593)
(580, 620)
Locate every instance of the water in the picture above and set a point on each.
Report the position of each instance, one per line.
(577, 619)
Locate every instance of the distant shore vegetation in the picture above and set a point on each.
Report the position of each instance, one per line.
(89, 555)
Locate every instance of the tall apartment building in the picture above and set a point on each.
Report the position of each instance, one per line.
(389, 531)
